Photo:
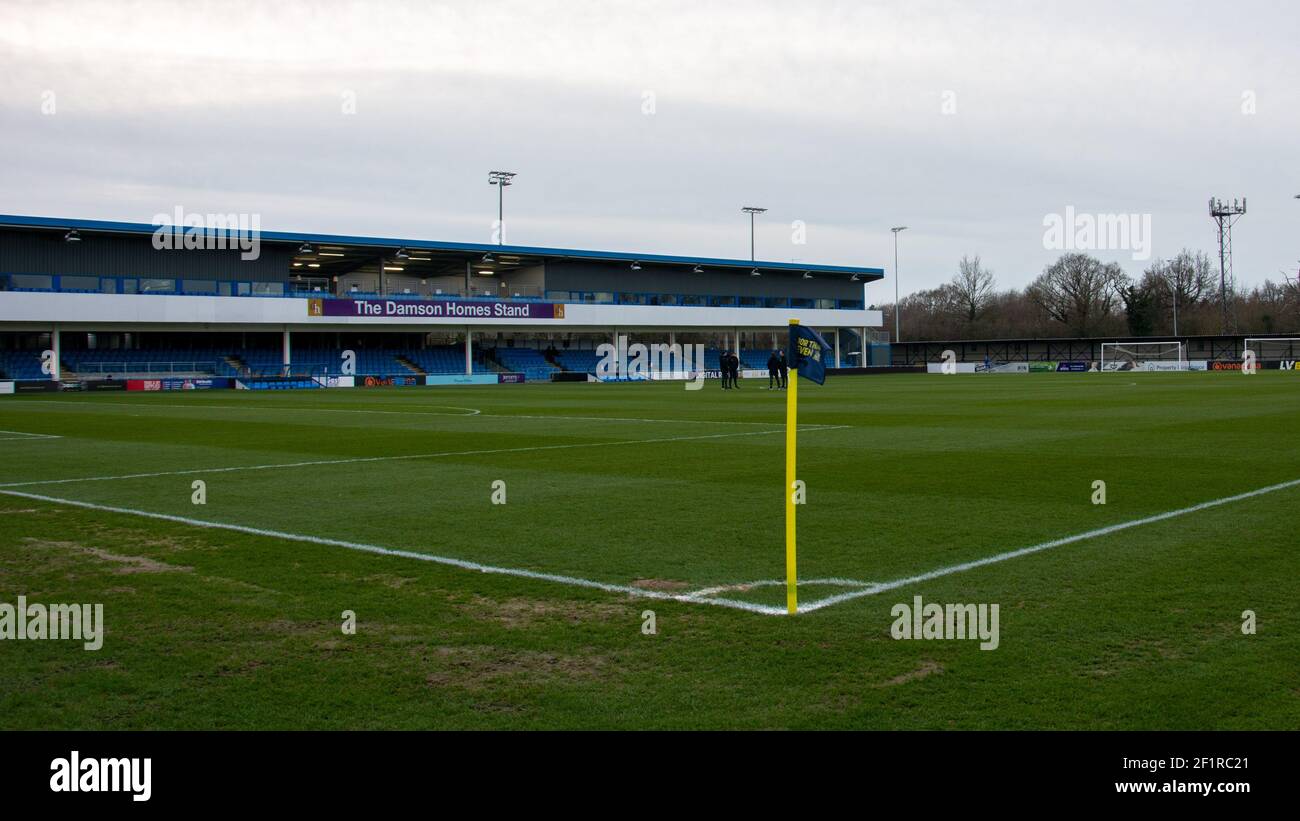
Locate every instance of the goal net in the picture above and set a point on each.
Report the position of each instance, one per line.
(1143, 356)
(1276, 353)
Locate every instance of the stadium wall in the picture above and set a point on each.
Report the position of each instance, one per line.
(131, 256)
(585, 276)
(1219, 347)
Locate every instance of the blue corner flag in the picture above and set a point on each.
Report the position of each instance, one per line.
(807, 349)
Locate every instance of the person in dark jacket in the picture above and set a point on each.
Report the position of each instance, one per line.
(735, 371)
(724, 366)
(773, 370)
(785, 371)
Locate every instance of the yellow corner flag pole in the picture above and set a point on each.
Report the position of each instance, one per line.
(791, 440)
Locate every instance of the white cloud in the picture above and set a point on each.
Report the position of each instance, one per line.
(822, 111)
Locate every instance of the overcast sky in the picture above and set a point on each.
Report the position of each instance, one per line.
(645, 126)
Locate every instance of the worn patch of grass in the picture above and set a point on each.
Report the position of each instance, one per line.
(218, 629)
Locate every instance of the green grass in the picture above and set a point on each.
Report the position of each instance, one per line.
(212, 628)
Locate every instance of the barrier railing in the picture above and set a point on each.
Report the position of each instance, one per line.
(189, 366)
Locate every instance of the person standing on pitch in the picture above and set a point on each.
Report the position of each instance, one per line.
(724, 367)
(735, 371)
(784, 371)
(773, 370)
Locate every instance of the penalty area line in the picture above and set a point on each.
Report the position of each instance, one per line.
(1038, 548)
(571, 581)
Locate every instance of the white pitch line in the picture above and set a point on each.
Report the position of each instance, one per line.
(572, 581)
(546, 417)
(91, 405)
(472, 412)
(743, 586)
(630, 419)
(703, 596)
(406, 456)
(21, 436)
(1025, 551)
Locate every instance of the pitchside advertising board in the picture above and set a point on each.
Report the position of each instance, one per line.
(1009, 367)
(1152, 366)
(1083, 367)
(1058, 367)
(680, 376)
(433, 309)
(1004, 367)
(176, 384)
(1238, 364)
(440, 379)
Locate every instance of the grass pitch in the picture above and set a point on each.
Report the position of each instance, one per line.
(618, 488)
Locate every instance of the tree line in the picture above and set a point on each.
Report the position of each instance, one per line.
(1080, 296)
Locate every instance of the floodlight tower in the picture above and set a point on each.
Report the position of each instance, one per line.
(1297, 272)
(897, 327)
(751, 210)
(1224, 215)
(1173, 292)
(501, 179)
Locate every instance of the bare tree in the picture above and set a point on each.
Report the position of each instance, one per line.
(1092, 299)
(1191, 276)
(1079, 291)
(1271, 307)
(930, 313)
(972, 288)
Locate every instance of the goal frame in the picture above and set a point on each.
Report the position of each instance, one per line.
(1128, 347)
(1293, 341)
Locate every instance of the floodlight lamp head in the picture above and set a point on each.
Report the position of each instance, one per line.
(1222, 208)
(501, 177)
(752, 209)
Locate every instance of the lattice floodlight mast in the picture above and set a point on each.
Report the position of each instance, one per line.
(1138, 354)
(1224, 215)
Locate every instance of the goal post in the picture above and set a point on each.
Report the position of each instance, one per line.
(1152, 356)
(1277, 352)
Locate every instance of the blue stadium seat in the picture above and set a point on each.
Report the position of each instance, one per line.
(578, 361)
(528, 361)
